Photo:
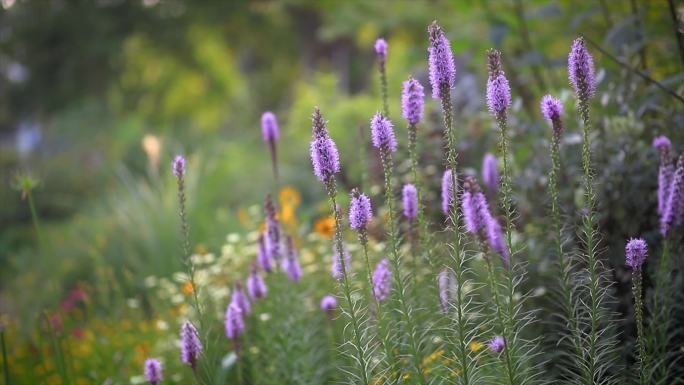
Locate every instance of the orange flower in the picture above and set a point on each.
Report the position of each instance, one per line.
(325, 226)
(289, 196)
(187, 288)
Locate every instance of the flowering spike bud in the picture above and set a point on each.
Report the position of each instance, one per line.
(552, 109)
(447, 189)
(269, 127)
(665, 171)
(337, 272)
(241, 299)
(328, 304)
(409, 198)
(496, 344)
(382, 280)
(360, 211)
(382, 133)
(153, 371)
(581, 70)
(498, 90)
(256, 286)
(324, 155)
(263, 256)
(440, 60)
(490, 173)
(675, 207)
(636, 252)
(190, 345)
(474, 205)
(234, 321)
(381, 49)
(272, 241)
(178, 166)
(290, 262)
(447, 289)
(412, 101)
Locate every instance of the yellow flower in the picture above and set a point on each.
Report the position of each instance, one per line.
(325, 226)
(475, 346)
(200, 249)
(243, 217)
(187, 288)
(289, 196)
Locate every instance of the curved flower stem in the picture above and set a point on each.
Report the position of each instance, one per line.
(639, 313)
(499, 316)
(185, 241)
(405, 311)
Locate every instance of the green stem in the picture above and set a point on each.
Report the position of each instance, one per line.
(5, 364)
(34, 218)
(661, 312)
(500, 317)
(185, 233)
(638, 312)
(383, 85)
(424, 238)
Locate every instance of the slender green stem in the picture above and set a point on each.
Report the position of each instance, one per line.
(58, 351)
(406, 312)
(424, 238)
(34, 218)
(383, 85)
(508, 366)
(5, 364)
(185, 240)
(661, 312)
(639, 313)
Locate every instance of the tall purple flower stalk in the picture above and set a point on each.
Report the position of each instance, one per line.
(476, 215)
(496, 240)
(490, 173)
(412, 101)
(498, 90)
(337, 272)
(409, 198)
(382, 280)
(360, 211)
(447, 289)
(674, 207)
(153, 371)
(256, 286)
(190, 344)
(234, 321)
(290, 262)
(441, 61)
(263, 256)
(324, 156)
(447, 191)
(581, 70)
(272, 241)
(636, 252)
(665, 171)
(240, 298)
(382, 133)
(271, 134)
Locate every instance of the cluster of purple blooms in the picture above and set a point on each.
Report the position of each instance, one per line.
(670, 186)
(479, 221)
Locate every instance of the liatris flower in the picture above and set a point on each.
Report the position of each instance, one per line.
(324, 156)
(552, 109)
(291, 263)
(234, 321)
(490, 173)
(440, 60)
(153, 371)
(496, 240)
(263, 255)
(476, 214)
(271, 133)
(382, 133)
(328, 304)
(412, 102)
(360, 211)
(675, 207)
(190, 344)
(498, 90)
(636, 252)
(447, 190)
(409, 197)
(663, 144)
(337, 272)
(241, 299)
(382, 280)
(178, 166)
(447, 288)
(581, 70)
(381, 49)
(272, 230)
(496, 344)
(256, 287)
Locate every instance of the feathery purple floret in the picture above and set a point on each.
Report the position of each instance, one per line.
(636, 252)
(153, 371)
(256, 286)
(447, 189)
(337, 272)
(240, 298)
(360, 211)
(190, 344)
(412, 101)
(324, 156)
(291, 263)
(662, 142)
(263, 256)
(272, 240)
(382, 133)
(234, 321)
(269, 127)
(490, 173)
(498, 90)
(551, 108)
(665, 171)
(496, 344)
(381, 49)
(476, 215)
(674, 208)
(581, 70)
(382, 280)
(440, 60)
(409, 198)
(178, 166)
(447, 288)
(328, 303)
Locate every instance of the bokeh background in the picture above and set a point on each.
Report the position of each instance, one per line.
(96, 97)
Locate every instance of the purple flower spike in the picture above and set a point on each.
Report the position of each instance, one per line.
(324, 156)
(496, 240)
(409, 197)
(291, 263)
(263, 256)
(328, 304)
(551, 108)
(581, 70)
(382, 280)
(440, 60)
(269, 127)
(178, 166)
(662, 142)
(476, 214)
(636, 252)
(256, 286)
(360, 211)
(412, 101)
(496, 344)
(498, 90)
(447, 188)
(665, 171)
(337, 272)
(382, 133)
(191, 347)
(490, 173)
(447, 289)
(241, 299)
(234, 321)
(153, 371)
(381, 49)
(272, 241)
(675, 207)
